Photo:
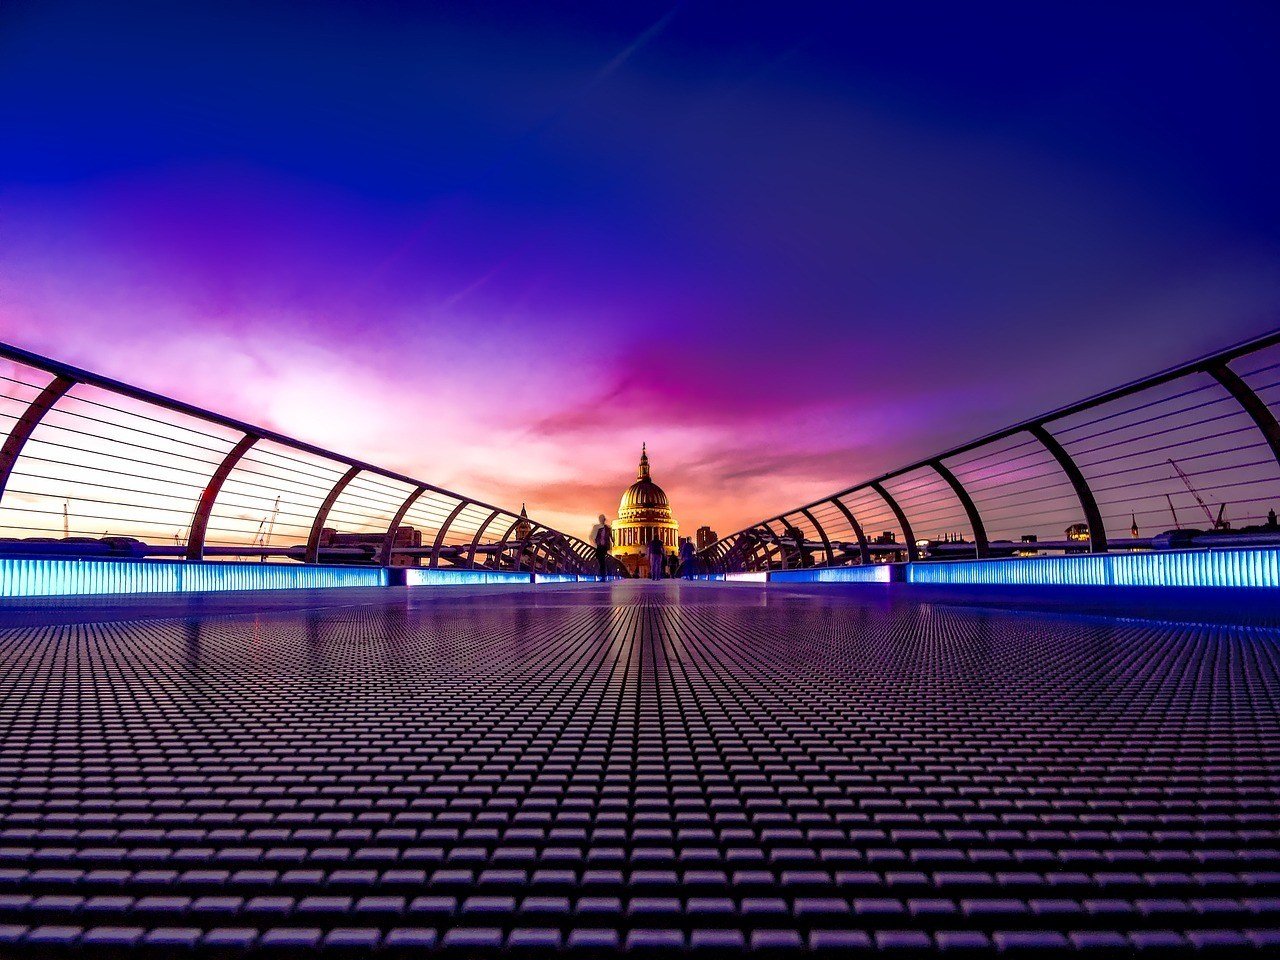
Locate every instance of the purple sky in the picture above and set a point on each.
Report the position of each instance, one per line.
(497, 249)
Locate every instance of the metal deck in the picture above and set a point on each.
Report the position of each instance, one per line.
(650, 768)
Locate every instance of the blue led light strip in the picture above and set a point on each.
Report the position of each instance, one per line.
(876, 573)
(1245, 567)
(30, 577)
(424, 577)
(1176, 568)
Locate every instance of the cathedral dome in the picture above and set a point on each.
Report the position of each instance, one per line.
(644, 495)
(644, 515)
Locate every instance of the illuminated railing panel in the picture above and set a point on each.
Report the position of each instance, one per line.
(48, 577)
(272, 492)
(1192, 568)
(929, 502)
(1189, 457)
(366, 506)
(99, 465)
(1018, 488)
(1131, 451)
(875, 573)
(90, 467)
(417, 577)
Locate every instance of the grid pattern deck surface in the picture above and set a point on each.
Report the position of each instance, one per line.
(648, 768)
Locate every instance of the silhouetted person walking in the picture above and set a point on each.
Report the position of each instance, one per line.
(602, 540)
(686, 559)
(657, 557)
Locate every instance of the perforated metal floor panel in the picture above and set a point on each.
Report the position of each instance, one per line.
(649, 768)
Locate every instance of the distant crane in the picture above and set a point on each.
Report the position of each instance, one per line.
(1176, 524)
(1215, 523)
(267, 526)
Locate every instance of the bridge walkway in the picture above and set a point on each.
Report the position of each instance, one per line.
(653, 768)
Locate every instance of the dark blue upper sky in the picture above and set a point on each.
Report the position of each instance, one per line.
(850, 231)
(1174, 97)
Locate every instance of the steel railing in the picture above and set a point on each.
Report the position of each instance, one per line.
(90, 466)
(1189, 457)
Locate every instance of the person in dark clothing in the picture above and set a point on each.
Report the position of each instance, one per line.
(602, 540)
(686, 558)
(673, 566)
(657, 557)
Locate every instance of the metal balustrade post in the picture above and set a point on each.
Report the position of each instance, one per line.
(26, 424)
(735, 552)
(313, 541)
(558, 551)
(795, 558)
(725, 553)
(581, 553)
(440, 534)
(775, 546)
(384, 555)
(554, 552)
(981, 548)
(863, 550)
(768, 543)
(475, 541)
(568, 562)
(759, 553)
(564, 550)
(1092, 516)
(505, 544)
(913, 553)
(540, 551)
(204, 507)
(550, 552)
(536, 549)
(1253, 405)
(826, 541)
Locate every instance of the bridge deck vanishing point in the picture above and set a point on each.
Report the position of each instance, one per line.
(651, 768)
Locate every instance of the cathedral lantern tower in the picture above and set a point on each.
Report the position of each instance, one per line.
(643, 514)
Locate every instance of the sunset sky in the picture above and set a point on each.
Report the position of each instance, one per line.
(497, 246)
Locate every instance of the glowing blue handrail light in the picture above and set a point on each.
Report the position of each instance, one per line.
(1245, 567)
(423, 577)
(873, 573)
(52, 577)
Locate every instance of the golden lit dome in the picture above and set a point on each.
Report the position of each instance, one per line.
(643, 495)
(644, 514)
